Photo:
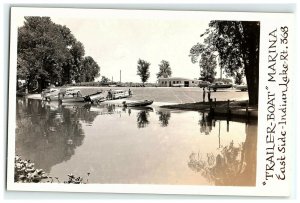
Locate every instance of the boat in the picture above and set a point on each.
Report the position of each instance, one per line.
(72, 99)
(72, 95)
(138, 103)
(50, 94)
(96, 97)
(219, 85)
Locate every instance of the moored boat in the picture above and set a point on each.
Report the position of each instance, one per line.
(50, 94)
(138, 103)
(96, 97)
(72, 96)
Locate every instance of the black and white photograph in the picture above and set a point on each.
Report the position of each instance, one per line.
(133, 97)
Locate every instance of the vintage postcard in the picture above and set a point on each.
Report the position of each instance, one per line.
(150, 101)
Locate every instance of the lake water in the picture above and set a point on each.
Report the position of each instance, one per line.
(141, 146)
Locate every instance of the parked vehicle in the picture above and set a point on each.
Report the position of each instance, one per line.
(204, 84)
(219, 85)
(242, 87)
(118, 94)
(178, 85)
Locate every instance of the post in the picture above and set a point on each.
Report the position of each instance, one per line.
(228, 109)
(120, 76)
(247, 111)
(227, 125)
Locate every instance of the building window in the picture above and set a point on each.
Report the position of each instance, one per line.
(173, 82)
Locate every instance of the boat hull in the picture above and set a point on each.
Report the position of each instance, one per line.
(139, 103)
(72, 100)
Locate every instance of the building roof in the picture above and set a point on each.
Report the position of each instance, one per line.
(174, 78)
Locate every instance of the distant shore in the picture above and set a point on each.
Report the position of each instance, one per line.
(181, 98)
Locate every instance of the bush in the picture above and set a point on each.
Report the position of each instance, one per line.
(25, 172)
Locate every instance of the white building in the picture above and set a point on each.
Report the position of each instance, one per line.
(178, 82)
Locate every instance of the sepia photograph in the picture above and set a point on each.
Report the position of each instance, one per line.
(134, 97)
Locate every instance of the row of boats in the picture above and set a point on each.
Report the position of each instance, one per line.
(75, 95)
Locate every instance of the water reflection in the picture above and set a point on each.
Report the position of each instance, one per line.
(164, 117)
(232, 165)
(142, 119)
(85, 138)
(206, 123)
(52, 129)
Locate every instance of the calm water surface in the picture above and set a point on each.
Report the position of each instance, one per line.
(144, 146)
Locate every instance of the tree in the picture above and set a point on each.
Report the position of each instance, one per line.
(143, 70)
(89, 70)
(164, 69)
(236, 44)
(239, 78)
(72, 68)
(104, 80)
(207, 61)
(208, 64)
(49, 53)
(42, 49)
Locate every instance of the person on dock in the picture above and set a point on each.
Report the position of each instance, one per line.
(208, 94)
(204, 93)
(129, 92)
(109, 94)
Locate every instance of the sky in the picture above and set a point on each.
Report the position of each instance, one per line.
(117, 42)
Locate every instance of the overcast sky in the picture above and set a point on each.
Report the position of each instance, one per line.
(116, 43)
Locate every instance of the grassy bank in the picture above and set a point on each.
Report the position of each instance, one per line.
(220, 108)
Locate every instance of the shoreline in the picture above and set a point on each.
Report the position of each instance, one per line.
(236, 109)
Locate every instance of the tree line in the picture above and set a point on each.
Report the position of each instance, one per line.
(48, 53)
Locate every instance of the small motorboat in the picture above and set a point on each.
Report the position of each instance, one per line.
(72, 96)
(96, 97)
(72, 99)
(138, 103)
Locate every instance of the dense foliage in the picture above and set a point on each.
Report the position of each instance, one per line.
(236, 45)
(48, 53)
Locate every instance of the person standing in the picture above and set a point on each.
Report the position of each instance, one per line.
(204, 93)
(208, 94)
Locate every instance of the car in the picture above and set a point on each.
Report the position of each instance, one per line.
(242, 87)
(219, 85)
(204, 84)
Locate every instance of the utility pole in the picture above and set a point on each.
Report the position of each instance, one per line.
(221, 72)
(120, 76)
